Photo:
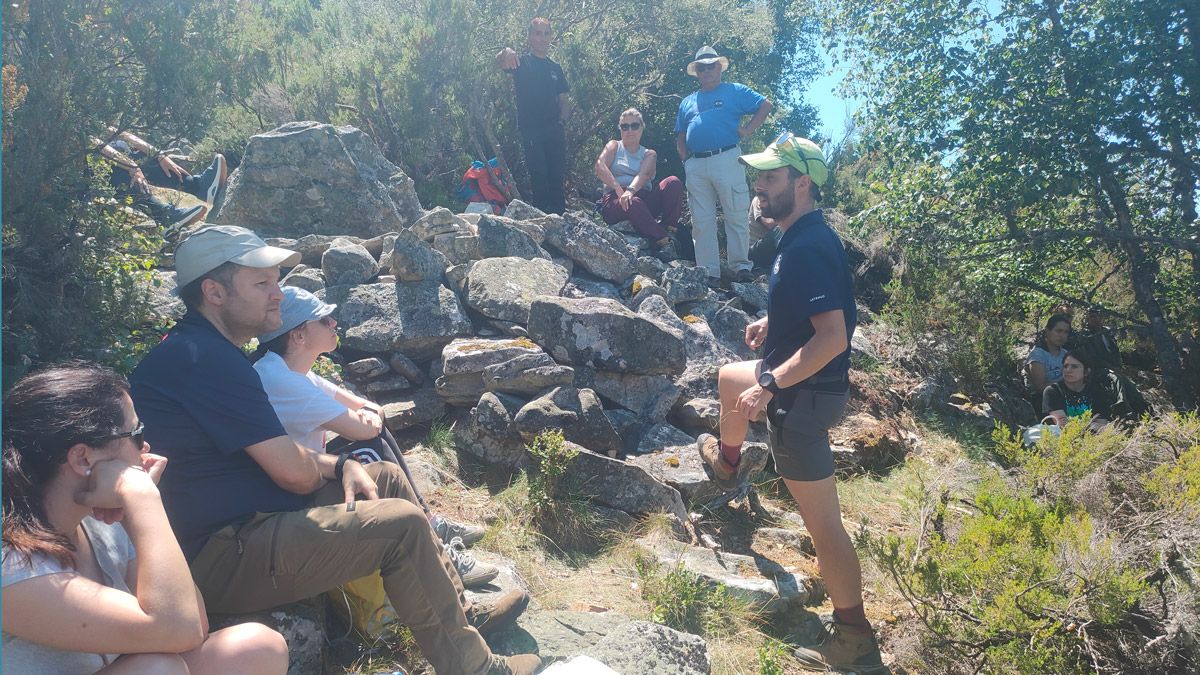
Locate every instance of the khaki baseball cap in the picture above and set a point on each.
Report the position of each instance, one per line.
(794, 151)
(209, 248)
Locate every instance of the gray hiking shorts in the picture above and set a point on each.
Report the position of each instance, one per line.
(800, 436)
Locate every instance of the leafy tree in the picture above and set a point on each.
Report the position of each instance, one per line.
(1037, 146)
(74, 264)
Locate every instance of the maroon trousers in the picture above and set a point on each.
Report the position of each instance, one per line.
(653, 212)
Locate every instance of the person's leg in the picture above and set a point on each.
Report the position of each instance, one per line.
(669, 196)
(818, 504)
(556, 169)
(244, 649)
(146, 664)
(538, 164)
(734, 193)
(644, 222)
(732, 380)
(610, 208)
(702, 201)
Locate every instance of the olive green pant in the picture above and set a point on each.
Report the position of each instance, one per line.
(277, 558)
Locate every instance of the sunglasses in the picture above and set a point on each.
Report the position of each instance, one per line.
(137, 435)
(701, 67)
(632, 126)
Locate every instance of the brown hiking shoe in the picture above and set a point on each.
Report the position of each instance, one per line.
(492, 615)
(726, 476)
(843, 648)
(521, 664)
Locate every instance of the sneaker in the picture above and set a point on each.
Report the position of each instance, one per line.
(472, 572)
(843, 648)
(521, 664)
(744, 276)
(447, 530)
(727, 476)
(713, 282)
(178, 217)
(214, 178)
(494, 615)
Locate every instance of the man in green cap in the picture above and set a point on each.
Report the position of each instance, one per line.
(802, 385)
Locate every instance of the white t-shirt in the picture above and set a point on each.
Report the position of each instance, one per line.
(1051, 363)
(114, 551)
(303, 401)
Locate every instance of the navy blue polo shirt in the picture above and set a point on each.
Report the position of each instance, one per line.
(538, 82)
(810, 276)
(202, 403)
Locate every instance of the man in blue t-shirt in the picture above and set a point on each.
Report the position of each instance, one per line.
(802, 385)
(262, 520)
(708, 130)
(542, 109)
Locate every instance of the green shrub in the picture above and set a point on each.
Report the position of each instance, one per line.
(682, 600)
(552, 456)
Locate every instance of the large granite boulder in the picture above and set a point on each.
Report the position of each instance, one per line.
(414, 260)
(650, 396)
(418, 407)
(705, 354)
(489, 433)
(437, 222)
(415, 318)
(310, 279)
(685, 284)
(593, 247)
(504, 288)
(577, 412)
(500, 239)
(464, 362)
(604, 334)
(346, 263)
(308, 177)
(527, 375)
(519, 210)
(618, 484)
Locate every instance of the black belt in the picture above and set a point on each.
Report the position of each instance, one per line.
(710, 153)
(821, 382)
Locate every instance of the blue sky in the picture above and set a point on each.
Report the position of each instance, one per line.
(834, 110)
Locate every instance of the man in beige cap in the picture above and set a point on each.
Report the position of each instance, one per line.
(708, 132)
(264, 521)
(802, 385)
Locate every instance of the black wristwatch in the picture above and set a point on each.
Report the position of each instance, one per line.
(340, 466)
(766, 380)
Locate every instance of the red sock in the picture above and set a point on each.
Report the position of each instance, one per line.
(731, 453)
(853, 617)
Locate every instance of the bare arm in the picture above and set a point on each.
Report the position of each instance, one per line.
(290, 466)
(135, 142)
(755, 122)
(69, 611)
(117, 157)
(356, 425)
(681, 145)
(1037, 375)
(604, 173)
(507, 59)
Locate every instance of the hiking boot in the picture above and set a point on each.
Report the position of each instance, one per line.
(521, 664)
(447, 530)
(713, 282)
(496, 614)
(744, 276)
(843, 648)
(727, 476)
(472, 572)
(213, 179)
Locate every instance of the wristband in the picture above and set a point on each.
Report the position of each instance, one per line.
(340, 466)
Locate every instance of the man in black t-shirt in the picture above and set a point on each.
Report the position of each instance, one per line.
(542, 108)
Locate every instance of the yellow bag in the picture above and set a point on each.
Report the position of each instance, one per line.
(367, 604)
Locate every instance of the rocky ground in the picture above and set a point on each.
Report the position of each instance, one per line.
(480, 332)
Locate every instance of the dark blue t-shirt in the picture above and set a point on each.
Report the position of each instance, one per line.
(810, 276)
(538, 83)
(202, 404)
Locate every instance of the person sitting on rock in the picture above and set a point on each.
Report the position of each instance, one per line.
(142, 165)
(1043, 366)
(628, 171)
(1107, 395)
(265, 521)
(94, 581)
(308, 405)
(1098, 340)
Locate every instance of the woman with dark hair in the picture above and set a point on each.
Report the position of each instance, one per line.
(1107, 395)
(1043, 366)
(93, 578)
(308, 405)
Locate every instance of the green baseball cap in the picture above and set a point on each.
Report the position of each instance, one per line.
(791, 150)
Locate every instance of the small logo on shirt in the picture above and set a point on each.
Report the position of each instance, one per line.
(816, 298)
(718, 103)
(775, 267)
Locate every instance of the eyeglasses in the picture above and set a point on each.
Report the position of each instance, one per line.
(632, 126)
(701, 67)
(138, 436)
